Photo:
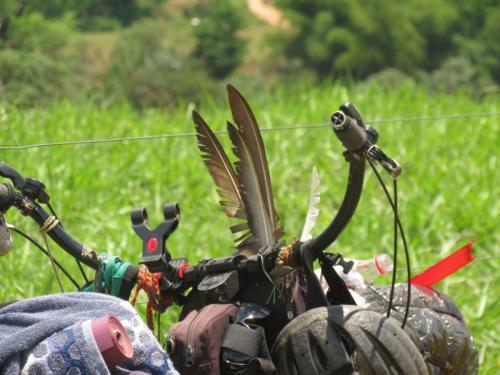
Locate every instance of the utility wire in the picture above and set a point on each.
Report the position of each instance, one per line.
(281, 128)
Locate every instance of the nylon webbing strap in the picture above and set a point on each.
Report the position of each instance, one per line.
(252, 342)
(113, 275)
(129, 280)
(110, 276)
(338, 293)
(242, 339)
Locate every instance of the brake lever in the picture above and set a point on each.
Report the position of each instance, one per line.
(32, 188)
(10, 173)
(365, 140)
(390, 165)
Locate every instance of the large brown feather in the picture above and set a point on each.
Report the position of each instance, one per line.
(262, 230)
(251, 137)
(220, 168)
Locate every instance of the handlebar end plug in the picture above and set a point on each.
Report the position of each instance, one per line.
(348, 131)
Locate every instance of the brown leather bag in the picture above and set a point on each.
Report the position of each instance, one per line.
(196, 341)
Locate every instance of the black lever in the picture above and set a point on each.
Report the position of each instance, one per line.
(10, 173)
(35, 190)
(155, 254)
(390, 165)
(359, 139)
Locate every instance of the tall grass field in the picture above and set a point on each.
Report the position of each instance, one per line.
(448, 190)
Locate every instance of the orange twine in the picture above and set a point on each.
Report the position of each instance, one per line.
(150, 283)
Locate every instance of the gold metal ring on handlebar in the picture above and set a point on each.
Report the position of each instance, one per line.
(49, 224)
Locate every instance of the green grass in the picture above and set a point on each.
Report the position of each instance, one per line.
(448, 190)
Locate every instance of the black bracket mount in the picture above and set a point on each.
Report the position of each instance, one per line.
(155, 254)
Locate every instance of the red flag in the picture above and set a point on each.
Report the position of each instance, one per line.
(445, 267)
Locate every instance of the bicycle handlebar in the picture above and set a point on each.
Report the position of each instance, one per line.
(177, 276)
(7, 196)
(10, 197)
(346, 128)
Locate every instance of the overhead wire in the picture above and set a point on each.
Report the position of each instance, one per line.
(274, 129)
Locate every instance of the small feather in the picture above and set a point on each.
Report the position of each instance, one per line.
(313, 210)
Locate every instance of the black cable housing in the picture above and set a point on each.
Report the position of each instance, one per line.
(403, 238)
(40, 247)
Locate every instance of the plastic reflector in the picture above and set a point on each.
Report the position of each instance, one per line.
(445, 267)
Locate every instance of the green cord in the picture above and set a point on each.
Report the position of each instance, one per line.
(109, 276)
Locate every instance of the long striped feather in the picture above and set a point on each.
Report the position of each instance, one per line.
(259, 221)
(261, 189)
(220, 168)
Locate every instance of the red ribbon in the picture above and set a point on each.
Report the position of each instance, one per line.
(445, 267)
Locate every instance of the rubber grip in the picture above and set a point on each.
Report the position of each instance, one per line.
(7, 197)
(347, 130)
(350, 110)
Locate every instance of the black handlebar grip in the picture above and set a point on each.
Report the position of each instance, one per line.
(7, 196)
(350, 110)
(352, 136)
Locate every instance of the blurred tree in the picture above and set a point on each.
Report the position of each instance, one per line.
(35, 62)
(489, 35)
(96, 14)
(148, 72)
(215, 26)
(32, 32)
(359, 38)
(437, 21)
(478, 40)
(350, 36)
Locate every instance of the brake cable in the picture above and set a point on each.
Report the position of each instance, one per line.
(78, 263)
(395, 251)
(40, 247)
(403, 237)
(47, 226)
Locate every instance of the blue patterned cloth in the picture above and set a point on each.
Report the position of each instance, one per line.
(52, 335)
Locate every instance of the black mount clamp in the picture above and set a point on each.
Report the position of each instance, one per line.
(155, 254)
(30, 187)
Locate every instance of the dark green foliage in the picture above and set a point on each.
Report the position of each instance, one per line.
(115, 48)
(30, 77)
(456, 73)
(218, 46)
(35, 64)
(32, 32)
(339, 37)
(148, 72)
(96, 14)
(489, 36)
(362, 37)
